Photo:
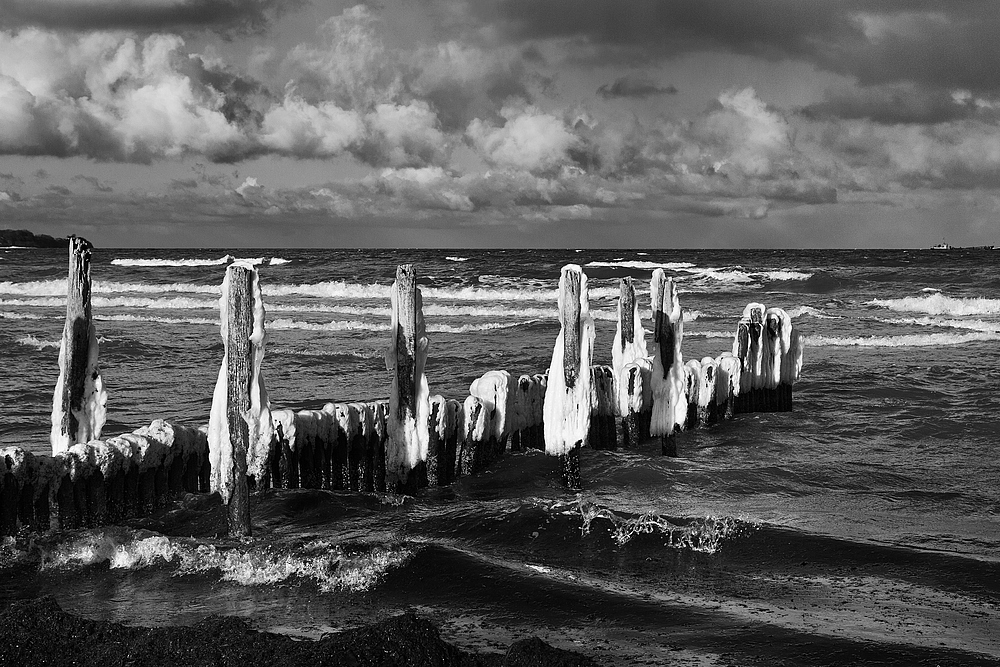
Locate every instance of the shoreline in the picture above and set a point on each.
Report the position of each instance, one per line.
(38, 631)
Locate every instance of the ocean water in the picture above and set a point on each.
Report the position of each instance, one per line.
(862, 527)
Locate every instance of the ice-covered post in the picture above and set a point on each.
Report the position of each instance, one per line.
(667, 379)
(239, 426)
(78, 404)
(408, 402)
(791, 366)
(567, 396)
(629, 346)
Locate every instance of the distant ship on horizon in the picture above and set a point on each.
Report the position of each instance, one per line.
(944, 246)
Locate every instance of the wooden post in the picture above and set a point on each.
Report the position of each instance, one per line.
(567, 406)
(406, 452)
(80, 399)
(572, 368)
(631, 385)
(239, 367)
(10, 500)
(437, 425)
(626, 311)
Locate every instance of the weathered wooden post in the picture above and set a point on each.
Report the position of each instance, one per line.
(629, 346)
(78, 405)
(437, 429)
(667, 379)
(707, 413)
(727, 384)
(777, 340)
(239, 426)
(567, 397)
(406, 449)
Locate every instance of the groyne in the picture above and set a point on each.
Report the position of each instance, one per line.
(399, 445)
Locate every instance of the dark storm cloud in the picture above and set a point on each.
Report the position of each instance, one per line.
(627, 86)
(941, 44)
(892, 104)
(222, 15)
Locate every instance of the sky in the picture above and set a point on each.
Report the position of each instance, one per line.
(502, 123)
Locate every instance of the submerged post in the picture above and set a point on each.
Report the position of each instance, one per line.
(240, 428)
(406, 448)
(78, 405)
(567, 396)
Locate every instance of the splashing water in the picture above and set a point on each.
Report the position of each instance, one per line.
(705, 535)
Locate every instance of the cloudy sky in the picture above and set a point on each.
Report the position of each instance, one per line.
(566, 123)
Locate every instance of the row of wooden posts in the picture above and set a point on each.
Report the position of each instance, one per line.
(409, 441)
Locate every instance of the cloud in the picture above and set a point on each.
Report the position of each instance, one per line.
(107, 96)
(228, 16)
(302, 129)
(899, 103)
(628, 86)
(529, 139)
(938, 44)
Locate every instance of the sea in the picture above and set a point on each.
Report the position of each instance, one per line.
(862, 527)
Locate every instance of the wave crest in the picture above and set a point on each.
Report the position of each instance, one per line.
(939, 304)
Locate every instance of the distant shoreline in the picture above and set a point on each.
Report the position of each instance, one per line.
(22, 238)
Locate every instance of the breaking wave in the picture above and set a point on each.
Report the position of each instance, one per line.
(939, 304)
(909, 340)
(706, 535)
(32, 341)
(333, 567)
(155, 261)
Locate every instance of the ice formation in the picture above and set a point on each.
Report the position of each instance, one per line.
(706, 390)
(567, 405)
(669, 401)
(90, 414)
(406, 445)
(625, 352)
(258, 417)
(727, 379)
(776, 341)
(747, 346)
(497, 388)
(791, 364)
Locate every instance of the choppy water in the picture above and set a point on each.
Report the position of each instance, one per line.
(863, 526)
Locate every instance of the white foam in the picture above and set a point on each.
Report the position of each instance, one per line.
(347, 325)
(330, 565)
(171, 262)
(633, 264)
(31, 341)
(457, 259)
(23, 316)
(910, 340)
(928, 321)
(801, 311)
(160, 320)
(939, 304)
